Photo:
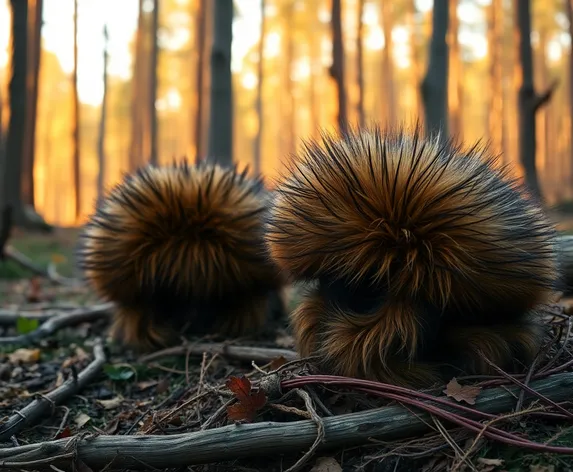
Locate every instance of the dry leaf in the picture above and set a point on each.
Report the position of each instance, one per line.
(111, 428)
(486, 461)
(326, 464)
(249, 403)
(284, 341)
(466, 393)
(24, 355)
(81, 419)
(541, 468)
(65, 433)
(277, 362)
(111, 404)
(163, 385)
(145, 384)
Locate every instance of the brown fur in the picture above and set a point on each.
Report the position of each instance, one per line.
(181, 245)
(425, 254)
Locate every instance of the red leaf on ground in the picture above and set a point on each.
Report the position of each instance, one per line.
(249, 403)
(65, 433)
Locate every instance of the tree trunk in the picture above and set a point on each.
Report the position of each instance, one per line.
(221, 116)
(101, 137)
(569, 8)
(388, 64)
(76, 120)
(360, 64)
(496, 123)
(200, 27)
(12, 171)
(259, 102)
(337, 68)
(153, 157)
(434, 87)
(455, 92)
(32, 73)
(137, 111)
(529, 101)
(415, 40)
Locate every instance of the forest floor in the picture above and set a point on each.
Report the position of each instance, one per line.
(197, 390)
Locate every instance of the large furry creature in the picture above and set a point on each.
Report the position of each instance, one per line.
(178, 247)
(425, 256)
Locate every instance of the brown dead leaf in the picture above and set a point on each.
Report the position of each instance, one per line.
(326, 464)
(145, 384)
(111, 428)
(111, 403)
(489, 465)
(249, 402)
(162, 385)
(277, 362)
(24, 355)
(65, 433)
(466, 393)
(81, 419)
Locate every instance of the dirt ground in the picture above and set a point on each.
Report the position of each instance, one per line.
(178, 393)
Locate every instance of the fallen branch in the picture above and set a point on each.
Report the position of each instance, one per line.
(43, 405)
(72, 318)
(50, 273)
(243, 353)
(267, 438)
(10, 317)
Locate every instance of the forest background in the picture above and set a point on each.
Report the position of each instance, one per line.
(111, 85)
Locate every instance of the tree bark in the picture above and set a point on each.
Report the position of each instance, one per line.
(569, 8)
(221, 116)
(76, 120)
(434, 87)
(153, 156)
(259, 101)
(455, 89)
(32, 73)
(388, 64)
(360, 64)
(337, 68)
(102, 121)
(200, 27)
(496, 123)
(12, 171)
(136, 149)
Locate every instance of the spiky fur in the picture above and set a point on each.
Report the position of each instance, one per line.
(181, 245)
(425, 254)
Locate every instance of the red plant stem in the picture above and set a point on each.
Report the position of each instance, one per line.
(384, 390)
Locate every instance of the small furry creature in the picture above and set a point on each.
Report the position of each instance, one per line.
(182, 246)
(423, 254)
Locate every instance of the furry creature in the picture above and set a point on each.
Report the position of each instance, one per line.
(424, 255)
(182, 246)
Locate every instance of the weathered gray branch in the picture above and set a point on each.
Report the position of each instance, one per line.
(565, 249)
(265, 438)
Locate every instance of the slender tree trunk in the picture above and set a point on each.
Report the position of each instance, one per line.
(12, 171)
(496, 123)
(415, 39)
(32, 73)
(529, 101)
(388, 64)
(259, 102)
(200, 27)
(337, 68)
(434, 87)
(454, 79)
(569, 8)
(221, 116)
(153, 158)
(76, 120)
(314, 41)
(136, 148)
(360, 63)
(102, 121)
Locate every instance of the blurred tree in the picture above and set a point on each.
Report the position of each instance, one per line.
(221, 116)
(434, 87)
(152, 136)
(529, 101)
(200, 44)
(496, 122)
(138, 88)
(337, 68)
(455, 91)
(102, 122)
(389, 94)
(76, 120)
(35, 8)
(569, 11)
(360, 62)
(259, 101)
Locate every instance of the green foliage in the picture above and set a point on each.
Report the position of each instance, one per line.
(118, 372)
(26, 325)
